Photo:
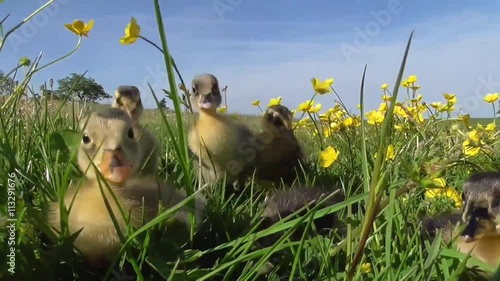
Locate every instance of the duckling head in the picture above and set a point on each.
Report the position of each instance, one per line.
(278, 118)
(128, 98)
(206, 95)
(482, 191)
(108, 142)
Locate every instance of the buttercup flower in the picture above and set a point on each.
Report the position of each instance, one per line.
(440, 182)
(79, 28)
(411, 79)
(305, 106)
(24, 61)
(434, 193)
(451, 98)
(275, 101)
(491, 98)
(375, 117)
(328, 156)
(384, 86)
(465, 118)
(436, 104)
(366, 267)
(386, 98)
(256, 103)
(222, 109)
(470, 149)
(132, 32)
(490, 127)
(390, 152)
(322, 87)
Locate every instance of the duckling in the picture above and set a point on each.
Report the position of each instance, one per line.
(128, 98)
(224, 146)
(479, 236)
(109, 143)
(281, 156)
(482, 190)
(284, 202)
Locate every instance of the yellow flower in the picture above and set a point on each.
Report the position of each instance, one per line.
(328, 156)
(256, 103)
(366, 267)
(473, 136)
(401, 127)
(132, 32)
(386, 98)
(416, 87)
(389, 155)
(491, 127)
(440, 182)
(80, 28)
(405, 84)
(436, 105)
(465, 118)
(375, 117)
(491, 98)
(390, 152)
(276, 101)
(222, 109)
(432, 193)
(327, 132)
(335, 127)
(418, 99)
(322, 87)
(382, 107)
(451, 98)
(306, 106)
(411, 79)
(400, 111)
(384, 86)
(348, 121)
(469, 149)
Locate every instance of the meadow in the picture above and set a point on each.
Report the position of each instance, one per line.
(401, 161)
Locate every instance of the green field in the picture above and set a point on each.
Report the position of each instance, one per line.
(377, 159)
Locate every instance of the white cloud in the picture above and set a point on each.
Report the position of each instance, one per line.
(448, 54)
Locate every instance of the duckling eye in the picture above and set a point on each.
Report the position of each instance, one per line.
(130, 133)
(85, 139)
(194, 90)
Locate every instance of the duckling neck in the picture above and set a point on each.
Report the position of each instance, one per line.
(208, 114)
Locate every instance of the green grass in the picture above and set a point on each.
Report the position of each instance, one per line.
(36, 160)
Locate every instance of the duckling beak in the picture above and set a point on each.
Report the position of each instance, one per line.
(205, 102)
(115, 167)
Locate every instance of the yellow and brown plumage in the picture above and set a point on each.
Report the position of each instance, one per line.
(109, 144)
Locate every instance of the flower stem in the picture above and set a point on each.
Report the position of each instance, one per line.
(61, 58)
(2, 41)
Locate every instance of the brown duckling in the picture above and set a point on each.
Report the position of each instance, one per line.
(482, 190)
(281, 203)
(109, 142)
(281, 157)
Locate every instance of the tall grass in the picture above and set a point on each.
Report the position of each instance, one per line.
(383, 241)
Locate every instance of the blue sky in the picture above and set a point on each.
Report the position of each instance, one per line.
(264, 49)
